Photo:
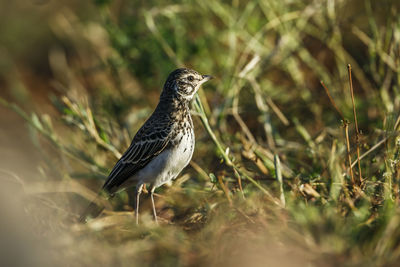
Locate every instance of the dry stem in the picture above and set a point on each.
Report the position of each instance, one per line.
(356, 125)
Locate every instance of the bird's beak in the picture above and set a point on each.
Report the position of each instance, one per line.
(206, 78)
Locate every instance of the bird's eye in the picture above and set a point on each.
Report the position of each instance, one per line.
(191, 78)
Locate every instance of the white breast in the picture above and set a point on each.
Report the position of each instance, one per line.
(167, 165)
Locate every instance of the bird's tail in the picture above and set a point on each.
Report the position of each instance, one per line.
(92, 211)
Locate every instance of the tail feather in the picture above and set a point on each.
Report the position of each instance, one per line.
(92, 211)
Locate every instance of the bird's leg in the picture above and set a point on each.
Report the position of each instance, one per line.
(154, 207)
(138, 191)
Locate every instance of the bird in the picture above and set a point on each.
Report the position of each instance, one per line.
(162, 147)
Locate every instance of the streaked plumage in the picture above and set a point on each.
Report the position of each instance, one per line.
(164, 145)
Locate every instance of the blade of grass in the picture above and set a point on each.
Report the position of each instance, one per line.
(356, 126)
(278, 175)
(222, 150)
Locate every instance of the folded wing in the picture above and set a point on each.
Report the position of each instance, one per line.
(147, 144)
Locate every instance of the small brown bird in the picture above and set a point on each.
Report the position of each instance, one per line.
(163, 146)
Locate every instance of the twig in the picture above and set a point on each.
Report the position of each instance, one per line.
(346, 129)
(277, 111)
(239, 182)
(266, 156)
(332, 101)
(356, 125)
(370, 150)
(199, 169)
(221, 183)
(239, 120)
(250, 155)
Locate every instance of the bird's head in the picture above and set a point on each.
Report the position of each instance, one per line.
(184, 83)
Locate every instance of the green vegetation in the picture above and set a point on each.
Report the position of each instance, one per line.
(270, 182)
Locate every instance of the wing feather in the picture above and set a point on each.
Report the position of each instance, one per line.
(145, 146)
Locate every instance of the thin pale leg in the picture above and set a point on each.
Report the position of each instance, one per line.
(154, 207)
(138, 191)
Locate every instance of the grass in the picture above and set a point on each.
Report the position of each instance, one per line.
(297, 147)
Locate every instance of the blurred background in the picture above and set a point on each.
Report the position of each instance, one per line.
(78, 79)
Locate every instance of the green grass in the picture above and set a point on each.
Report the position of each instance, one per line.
(270, 182)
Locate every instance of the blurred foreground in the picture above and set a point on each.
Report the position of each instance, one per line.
(78, 80)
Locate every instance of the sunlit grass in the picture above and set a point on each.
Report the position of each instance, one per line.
(270, 181)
